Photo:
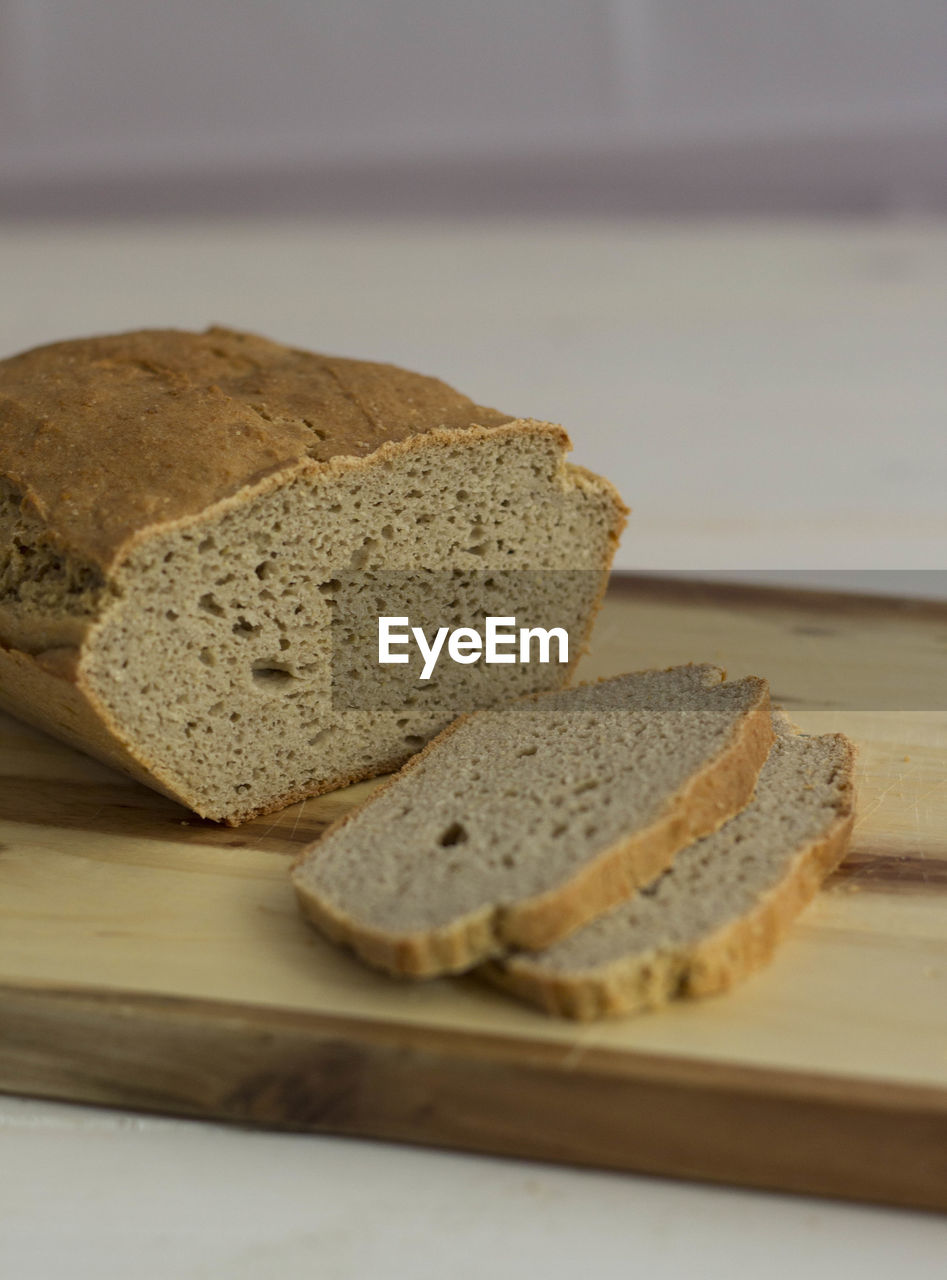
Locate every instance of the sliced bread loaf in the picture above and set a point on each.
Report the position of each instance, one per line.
(516, 826)
(720, 910)
(198, 533)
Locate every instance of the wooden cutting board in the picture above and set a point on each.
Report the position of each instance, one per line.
(152, 960)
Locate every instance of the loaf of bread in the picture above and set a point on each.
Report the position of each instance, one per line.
(199, 532)
(719, 912)
(517, 825)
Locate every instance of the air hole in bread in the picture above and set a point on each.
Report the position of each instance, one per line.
(456, 833)
(210, 604)
(270, 677)
(360, 556)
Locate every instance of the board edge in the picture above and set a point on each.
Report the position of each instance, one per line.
(720, 1122)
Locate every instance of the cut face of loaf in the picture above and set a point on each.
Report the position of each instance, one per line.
(721, 909)
(517, 826)
(200, 532)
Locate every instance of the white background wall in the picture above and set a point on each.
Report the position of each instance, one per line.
(638, 104)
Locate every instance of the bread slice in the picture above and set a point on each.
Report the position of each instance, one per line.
(720, 910)
(198, 533)
(514, 827)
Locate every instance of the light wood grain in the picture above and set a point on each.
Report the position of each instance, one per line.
(150, 959)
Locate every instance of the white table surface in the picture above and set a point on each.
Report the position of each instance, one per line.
(768, 398)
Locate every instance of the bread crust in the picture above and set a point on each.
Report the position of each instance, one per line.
(252, 438)
(712, 965)
(710, 797)
(100, 434)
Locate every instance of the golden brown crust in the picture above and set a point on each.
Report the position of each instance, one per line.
(710, 798)
(712, 965)
(101, 435)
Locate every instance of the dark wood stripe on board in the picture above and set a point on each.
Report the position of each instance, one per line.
(136, 812)
(746, 595)
(894, 872)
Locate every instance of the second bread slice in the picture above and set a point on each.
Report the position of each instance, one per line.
(513, 828)
(719, 912)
